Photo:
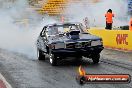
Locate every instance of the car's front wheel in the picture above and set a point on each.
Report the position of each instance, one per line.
(40, 55)
(96, 58)
(78, 59)
(52, 59)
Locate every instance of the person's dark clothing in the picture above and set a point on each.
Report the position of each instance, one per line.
(108, 26)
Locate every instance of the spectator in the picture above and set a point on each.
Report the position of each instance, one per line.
(130, 25)
(109, 15)
(86, 21)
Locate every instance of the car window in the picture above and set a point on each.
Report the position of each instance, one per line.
(52, 30)
(58, 29)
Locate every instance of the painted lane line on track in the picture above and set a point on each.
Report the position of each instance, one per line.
(3, 82)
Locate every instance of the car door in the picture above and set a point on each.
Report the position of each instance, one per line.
(39, 41)
(43, 40)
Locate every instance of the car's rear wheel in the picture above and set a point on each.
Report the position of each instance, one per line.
(53, 59)
(40, 55)
(96, 58)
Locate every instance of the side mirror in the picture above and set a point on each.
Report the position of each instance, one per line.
(42, 34)
(44, 38)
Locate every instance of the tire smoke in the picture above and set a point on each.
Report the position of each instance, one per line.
(20, 27)
(96, 12)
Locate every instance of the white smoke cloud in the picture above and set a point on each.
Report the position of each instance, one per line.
(95, 12)
(20, 27)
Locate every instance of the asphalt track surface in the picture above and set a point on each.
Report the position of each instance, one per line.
(23, 72)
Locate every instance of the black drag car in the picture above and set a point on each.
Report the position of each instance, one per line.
(59, 41)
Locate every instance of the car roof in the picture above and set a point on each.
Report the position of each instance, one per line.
(68, 23)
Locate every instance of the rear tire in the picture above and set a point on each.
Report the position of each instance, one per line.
(96, 58)
(53, 60)
(40, 55)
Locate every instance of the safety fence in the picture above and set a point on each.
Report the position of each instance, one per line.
(115, 39)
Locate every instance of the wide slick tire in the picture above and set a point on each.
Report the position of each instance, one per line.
(40, 55)
(96, 58)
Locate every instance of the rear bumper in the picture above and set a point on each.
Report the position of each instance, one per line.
(78, 52)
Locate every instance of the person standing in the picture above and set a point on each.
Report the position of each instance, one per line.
(130, 25)
(109, 15)
(86, 22)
